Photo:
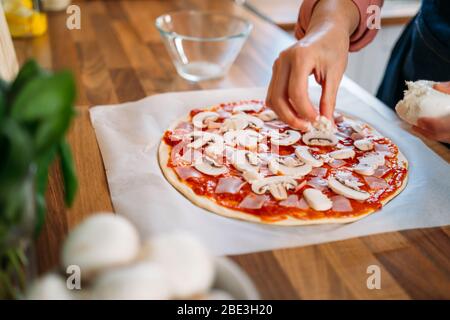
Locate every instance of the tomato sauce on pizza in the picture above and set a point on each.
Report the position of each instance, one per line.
(242, 157)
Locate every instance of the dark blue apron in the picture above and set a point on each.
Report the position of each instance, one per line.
(422, 52)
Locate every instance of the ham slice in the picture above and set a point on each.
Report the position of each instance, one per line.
(318, 183)
(187, 126)
(253, 201)
(300, 185)
(337, 163)
(175, 155)
(188, 172)
(381, 171)
(189, 156)
(383, 149)
(229, 185)
(356, 136)
(179, 134)
(302, 204)
(341, 204)
(291, 201)
(318, 172)
(375, 183)
(294, 202)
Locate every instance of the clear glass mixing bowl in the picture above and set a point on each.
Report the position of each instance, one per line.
(202, 45)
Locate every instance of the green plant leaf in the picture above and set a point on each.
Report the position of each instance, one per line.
(44, 96)
(46, 105)
(68, 171)
(50, 132)
(43, 163)
(27, 72)
(17, 151)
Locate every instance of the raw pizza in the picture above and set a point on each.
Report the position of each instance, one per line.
(238, 160)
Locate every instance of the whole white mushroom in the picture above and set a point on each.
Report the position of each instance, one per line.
(49, 287)
(99, 242)
(141, 281)
(188, 264)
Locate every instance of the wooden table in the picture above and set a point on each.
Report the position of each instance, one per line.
(117, 56)
(284, 13)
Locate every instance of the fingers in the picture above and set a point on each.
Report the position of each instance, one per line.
(298, 90)
(427, 134)
(277, 96)
(329, 93)
(272, 81)
(434, 125)
(434, 128)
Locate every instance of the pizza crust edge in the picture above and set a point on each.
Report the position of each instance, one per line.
(210, 205)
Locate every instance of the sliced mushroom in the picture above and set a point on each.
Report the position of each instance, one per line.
(303, 153)
(210, 167)
(289, 166)
(268, 115)
(234, 123)
(253, 122)
(320, 138)
(246, 138)
(202, 137)
(263, 148)
(373, 158)
(357, 126)
(323, 124)
(364, 169)
(215, 150)
(277, 186)
(369, 163)
(317, 200)
(346, 189)
(241, 121)
(200, 120)
(364, 144)
(342, 154)
(286, 138)
(244, 160)
(252, 176)
(255, 107)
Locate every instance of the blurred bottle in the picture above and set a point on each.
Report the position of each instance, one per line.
(25, 18)
(55, 5)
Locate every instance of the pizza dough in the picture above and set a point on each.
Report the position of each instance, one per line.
(239, 161)
(423, 100)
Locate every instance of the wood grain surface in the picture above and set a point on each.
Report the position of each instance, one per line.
(118, 56)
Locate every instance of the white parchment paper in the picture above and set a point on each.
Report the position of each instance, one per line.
(129, 135)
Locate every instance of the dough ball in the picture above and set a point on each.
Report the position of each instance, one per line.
(423, 100)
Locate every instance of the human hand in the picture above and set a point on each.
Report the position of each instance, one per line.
(434, 128)
(323, 51)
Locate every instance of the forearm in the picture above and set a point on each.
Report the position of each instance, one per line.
(342, 14)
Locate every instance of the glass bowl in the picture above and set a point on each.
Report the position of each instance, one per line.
(202, 45)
